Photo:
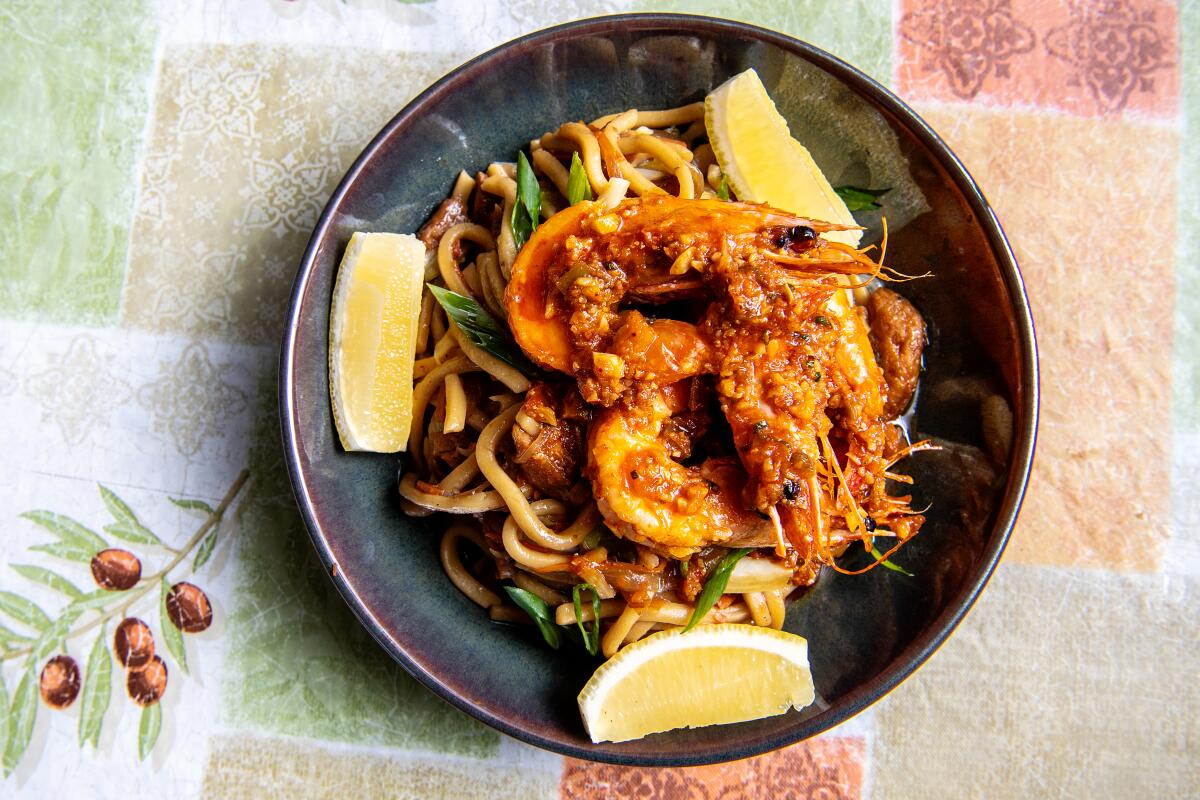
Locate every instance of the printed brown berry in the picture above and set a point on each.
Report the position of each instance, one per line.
(116, 569)
(133, 643)
(60, 681)
(188, 608)
(146, 685)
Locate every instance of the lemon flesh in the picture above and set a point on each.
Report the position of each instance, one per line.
(372, 339)
(711, 675)
(761, 160)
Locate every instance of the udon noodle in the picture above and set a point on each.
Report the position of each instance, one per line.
(482, 428)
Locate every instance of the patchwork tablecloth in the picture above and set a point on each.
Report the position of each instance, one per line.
(161, 166)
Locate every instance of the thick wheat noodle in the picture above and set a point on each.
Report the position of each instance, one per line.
(507, 613)
(697, 179)
(458, 574)
(618, 630)
(529, 583)
(473, 503)
(666, 118)
(528, 423)
(493, 284)
(430, 271)
(679, 614)
(460, 476)
(477, 420)
(518, 506)
(528, 557)
(508, 375)
(470, 275)
(412, 509)
(565, 614)
(694, 131)
(666, 151)
(777, 608)
(614, 194)
(427, 304)
(437, 323)
(640, 184)
(448, 265)
(557, 144)
(506, 168)
(589, 150)
(463, 185)
(674, 158)
(423, 391)
(672, 117)
(504, 399)
(639, 630)
(444, 347)
(621, 122)
(757, 603)
(637, 181)
(502, 185)
(456, 405)
(422, 366)
(493, 302)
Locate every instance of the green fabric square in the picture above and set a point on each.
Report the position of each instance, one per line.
(299, 663)
(857, 31)
(73, 100)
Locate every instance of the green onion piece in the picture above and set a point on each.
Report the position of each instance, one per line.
(480, 328)
(591, 639)
(529, 202)
(723, 189)
(714, 587)
(858, 199)
(578, 185)
(593, 537)
(536, 608)
(888, 564)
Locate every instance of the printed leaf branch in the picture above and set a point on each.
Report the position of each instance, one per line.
(127, 527)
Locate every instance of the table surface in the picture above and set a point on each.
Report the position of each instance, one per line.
(161, 167)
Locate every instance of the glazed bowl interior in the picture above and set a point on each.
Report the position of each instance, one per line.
(867, 632)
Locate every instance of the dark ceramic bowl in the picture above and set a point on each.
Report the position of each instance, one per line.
(866, 633)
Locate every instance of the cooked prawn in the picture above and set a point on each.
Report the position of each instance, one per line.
(574, 272)
(648, 496)
(795, 373)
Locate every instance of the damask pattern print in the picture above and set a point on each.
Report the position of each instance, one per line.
(190, 400)
(246, 146)
(220, 100)
(1115, 48)
(967, 42)
(1083, 57)
(286, 195)
(81, 371)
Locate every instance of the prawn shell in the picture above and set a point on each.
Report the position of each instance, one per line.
(545, 339)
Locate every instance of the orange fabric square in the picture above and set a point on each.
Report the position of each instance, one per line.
(829, 767)
(1085, 57)
(1089, 207)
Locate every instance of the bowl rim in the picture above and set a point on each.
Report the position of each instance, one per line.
(938, 630)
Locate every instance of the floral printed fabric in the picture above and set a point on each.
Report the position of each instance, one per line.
(161, 166)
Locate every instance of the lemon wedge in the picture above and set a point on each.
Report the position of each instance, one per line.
(761, 160)
(711, 675)
(372, 338)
